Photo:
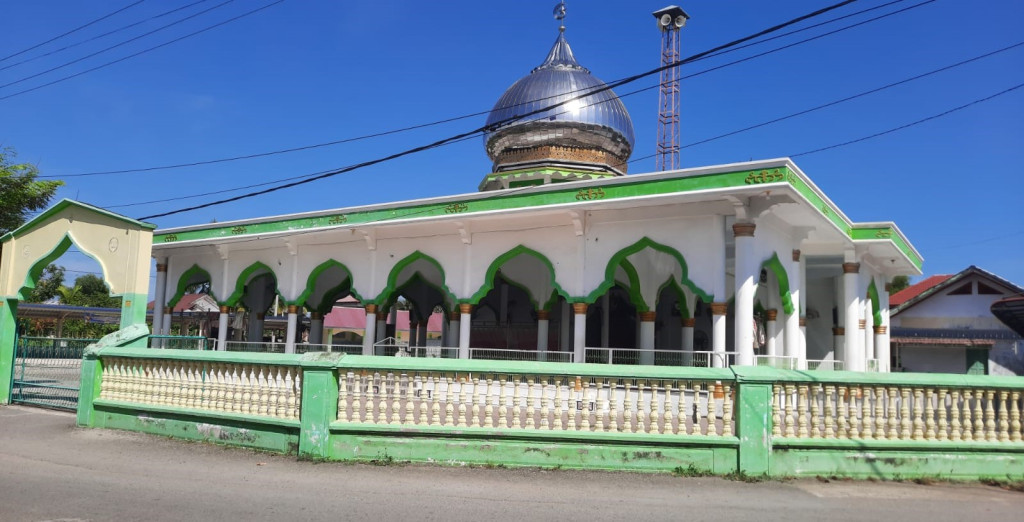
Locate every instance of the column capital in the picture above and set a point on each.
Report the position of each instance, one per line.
(881, 329)
(167, 309)
(796, 254)
(579, 308)
(543, 315)
(371, 309)
(888, 288)
(719, 308)
(382, 314)
(648, 317)
(315, 316)
(862, 324)
(423, 323)
(743, 229)
(771, 314)
(225, 309)
(454, 315)
(839, 330)
(689, 322)
(851, 268)
(293, 309)
(466, 308)
(803, 320)
(161, 267)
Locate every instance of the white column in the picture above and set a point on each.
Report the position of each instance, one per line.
(564, 328)
(802, 309)
(292, 329)
(465, 321)
(839, 345)
(606, 315)
(159, 296)
(370, 333)
(718, 327)
(316, 328)
(422, 332)
(854, 357)
(382, 326)
(222, 328)
(746, 285)
(791, 330)
(647, 338)
(867, 333)
(716, 251)
(579, 333)
(882, 346)
(168, 316)
(771, 328)
(453, 329)
(542, 334)
(687, 336)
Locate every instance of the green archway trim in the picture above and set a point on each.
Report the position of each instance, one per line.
(633, 290)
(243, 279)
(506, 257)
(331, 296)
(621, 255)
(776, 267)
(417, 277)
(183, 283)
(385, 295)
(676, 288)
(311, 284)
(58, 250)
(876, 312)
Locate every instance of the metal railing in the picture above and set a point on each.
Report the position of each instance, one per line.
(825, 365)
(245, 346)
(633, 356)
(47, 371)
(178, 342)
(502, 354)
(782, 362)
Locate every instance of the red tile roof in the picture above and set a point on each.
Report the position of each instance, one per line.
(355, 319)
(917, 289)
(184, 303)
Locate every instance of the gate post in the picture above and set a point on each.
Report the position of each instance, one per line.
(754, 419)
(89, 388)
(8, 336)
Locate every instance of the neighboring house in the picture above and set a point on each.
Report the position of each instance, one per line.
(943, 324)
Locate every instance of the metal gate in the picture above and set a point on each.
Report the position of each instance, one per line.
(47, 371)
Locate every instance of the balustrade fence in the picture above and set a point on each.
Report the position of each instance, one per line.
(756, 420)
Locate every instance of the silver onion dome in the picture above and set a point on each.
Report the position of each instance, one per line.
(594, 122)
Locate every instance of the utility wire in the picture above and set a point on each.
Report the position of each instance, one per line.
(466, 116)
(635, 159)
(507, 121)
(100, 19)
(144, 51)
(908, 125)
(104, 35)
(115, 46)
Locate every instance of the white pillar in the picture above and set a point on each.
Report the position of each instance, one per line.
(564, 325)
(746, 285)
(465, 321)
(168, 316)
(316, 328)
(222, 328)
(882, 346)
(687, 339)
(606, 315)
(159, 296)
(292, 329)
(370, 333)
(839, 344)
(453, 329)
(579, 333)
(647, 338)
(716, 251)
(382, 326)
(718, 327)
(542, 334)
(802, 309)
(854, 357)
(791, 330)
(770, 329)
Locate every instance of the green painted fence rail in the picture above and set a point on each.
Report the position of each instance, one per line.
(751, 420)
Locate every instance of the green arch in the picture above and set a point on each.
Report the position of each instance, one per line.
(876, 312)
(776, 267)
(62, 246)
(183, 283)
(621, 255)
(684, 308)
(386, 294)
(243, 278)
(504, 258)
(311, 284)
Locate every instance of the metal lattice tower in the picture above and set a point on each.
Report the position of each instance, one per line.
(670, 20)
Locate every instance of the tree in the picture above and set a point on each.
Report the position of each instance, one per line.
(898, 283)
(48, 286)
(20, 192)
(89, 290)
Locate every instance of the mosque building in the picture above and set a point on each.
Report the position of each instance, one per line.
(563, 256)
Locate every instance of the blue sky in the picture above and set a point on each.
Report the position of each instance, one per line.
(301, 73)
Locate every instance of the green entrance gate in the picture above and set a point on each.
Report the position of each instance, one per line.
(47, 371)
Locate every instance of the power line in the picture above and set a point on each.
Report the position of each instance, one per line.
(466, 116)
(104, 35)
(144, 51)
(100, 19)
(507, 121)
(629, 94)
(115, 46)
(901, 127)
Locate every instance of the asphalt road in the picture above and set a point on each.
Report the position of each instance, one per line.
(51, 470)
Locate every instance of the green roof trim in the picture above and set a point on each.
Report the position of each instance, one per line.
(65, 203)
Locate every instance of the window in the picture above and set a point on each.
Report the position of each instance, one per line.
(964, 289)
(984, 289)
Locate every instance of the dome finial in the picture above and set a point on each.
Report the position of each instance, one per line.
(559, 13)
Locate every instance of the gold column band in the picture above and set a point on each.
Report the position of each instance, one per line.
(648, 317)
(743, 229)
(719, 308)
(579, 308)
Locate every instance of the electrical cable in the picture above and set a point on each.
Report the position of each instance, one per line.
(144, 51)
(100, 19)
